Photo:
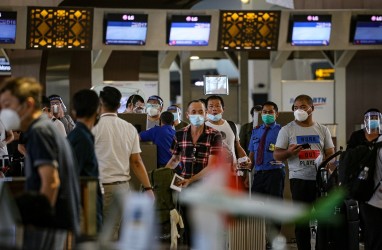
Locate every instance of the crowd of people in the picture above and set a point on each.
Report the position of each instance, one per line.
(56, 151)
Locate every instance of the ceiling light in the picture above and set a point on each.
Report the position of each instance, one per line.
(194, 58)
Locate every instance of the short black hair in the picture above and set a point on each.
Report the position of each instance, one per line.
(45, 102)
(85, 103)
(304, 98)
(167, 118)
(134, 99)
(255, 108)
(194, 101)
(110, 98)
(269, 103)
(215, 97)
(372, 110)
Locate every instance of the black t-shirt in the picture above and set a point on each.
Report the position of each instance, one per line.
(45, 145)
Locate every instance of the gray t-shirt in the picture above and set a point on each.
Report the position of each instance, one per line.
(304, 165)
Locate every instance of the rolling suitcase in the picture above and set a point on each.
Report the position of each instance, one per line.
(345, 233)
(247, 232)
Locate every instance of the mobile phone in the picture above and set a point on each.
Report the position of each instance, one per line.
(305, 145)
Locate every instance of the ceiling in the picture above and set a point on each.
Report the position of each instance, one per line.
(134, 4)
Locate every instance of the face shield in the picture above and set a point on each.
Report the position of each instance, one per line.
(372, 122)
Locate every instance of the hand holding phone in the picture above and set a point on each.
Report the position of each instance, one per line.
(305, 146)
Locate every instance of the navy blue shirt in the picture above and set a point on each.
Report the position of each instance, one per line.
(162, 136)
(268, 161)
(45, 145)
(82, 141)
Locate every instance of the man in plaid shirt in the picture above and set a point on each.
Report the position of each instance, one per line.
(195, 147)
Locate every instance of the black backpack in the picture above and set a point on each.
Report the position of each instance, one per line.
(351, 163)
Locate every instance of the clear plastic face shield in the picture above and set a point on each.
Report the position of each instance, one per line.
(372, 122)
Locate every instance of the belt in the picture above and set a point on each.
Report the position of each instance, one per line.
(266, 171)
(114, 183)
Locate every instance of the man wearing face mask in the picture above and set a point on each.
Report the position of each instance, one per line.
(154, 106)
(49, 168)
(135, 104)
(195, 149)
(369, 133)
(85, 110)
(59, 109)
(178, 123)
(303, 161)
(228, 129)
(268, 174)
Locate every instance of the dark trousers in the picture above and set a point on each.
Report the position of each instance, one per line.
(270, 182)
(304, 191)
(372, 218)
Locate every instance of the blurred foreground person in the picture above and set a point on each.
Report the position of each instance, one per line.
(53, 197)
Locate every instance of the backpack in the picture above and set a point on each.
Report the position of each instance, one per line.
(351, 163)
(160, 180)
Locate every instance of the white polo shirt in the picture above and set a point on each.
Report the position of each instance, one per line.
(115, 141)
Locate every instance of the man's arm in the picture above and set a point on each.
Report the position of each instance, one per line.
(173, 162)
(140, 172)
(212, 160)
(50, 182)
(281, 154)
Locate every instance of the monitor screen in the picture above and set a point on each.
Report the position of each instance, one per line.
(189, 30)
(125, 29)
(216, 85)
(139, 121)
(367, 29)
(310, 30)
(8, 27)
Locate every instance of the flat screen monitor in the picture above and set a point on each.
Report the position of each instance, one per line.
(216, 85)
(367, 30)
(309, 30)
(189, 30)
(125, 29)
(8, 21)
(139, 121)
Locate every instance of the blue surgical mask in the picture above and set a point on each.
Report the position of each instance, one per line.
(196, 120)
(214, 118)
(268, 119)
(374, 124)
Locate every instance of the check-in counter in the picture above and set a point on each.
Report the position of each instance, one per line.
(88, 185)
(149, 158)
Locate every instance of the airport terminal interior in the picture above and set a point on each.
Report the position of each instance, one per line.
(246, 51)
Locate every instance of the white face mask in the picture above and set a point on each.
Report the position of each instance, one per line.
(151, 111)
(10, 119)
(300, 115)
(176, 116)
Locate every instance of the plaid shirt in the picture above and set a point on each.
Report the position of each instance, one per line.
(193, 158)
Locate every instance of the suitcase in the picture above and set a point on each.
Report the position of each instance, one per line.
(344, 234)
(247, 232)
